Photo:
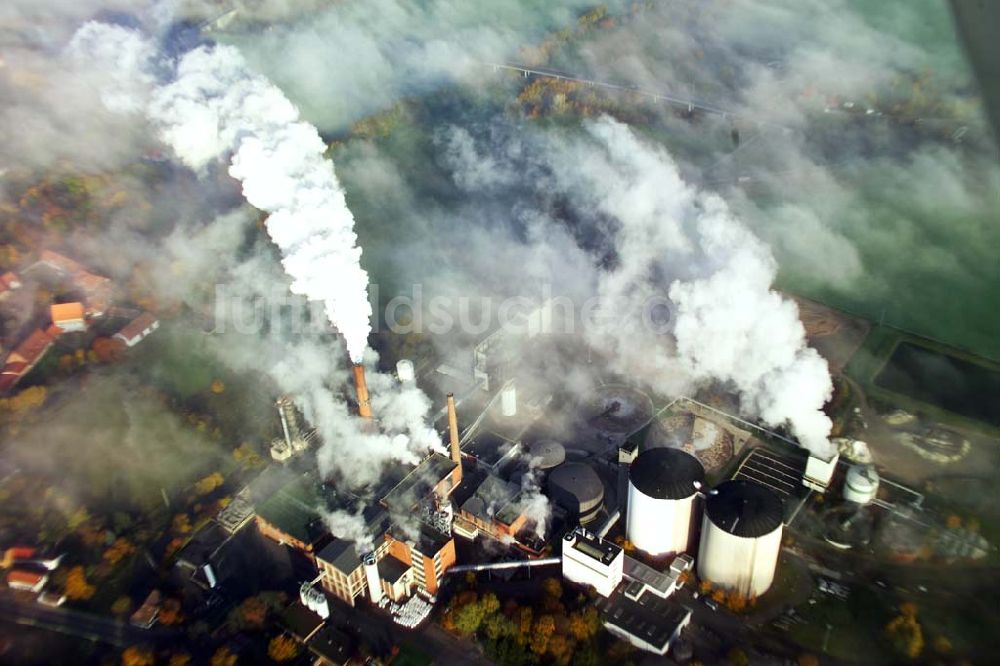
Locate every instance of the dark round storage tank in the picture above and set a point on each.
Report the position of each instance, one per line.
(666, 474)
(744, 508)
(546, 454)
(577, 488)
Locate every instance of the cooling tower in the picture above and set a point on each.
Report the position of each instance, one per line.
(662, 496)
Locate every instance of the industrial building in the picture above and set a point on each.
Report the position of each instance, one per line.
(662, 497)
(741, 537)
(590, 560)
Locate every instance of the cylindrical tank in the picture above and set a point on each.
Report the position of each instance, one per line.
(577, 488)
(861, 484)
(372, 578)
(508, 400)
(405, 372)
(662, 492)
(741, 537)
(546, 454)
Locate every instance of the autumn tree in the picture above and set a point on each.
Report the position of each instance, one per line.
(738, 657)
(179, 659)
(121, 606)
(136, 656)
(208, 484)
(282, 648)
(468, 618)
(24, 401)
(77, 587)
(170, 612)
(223, 657)
(560, 648)
(905, 632)
(552, 588)
(181, 524)
(585, 624)
(107, 350)
(252, 613)
(498, 626)
(544, 627)
(525, 617)
(490, 603)
(119, 550)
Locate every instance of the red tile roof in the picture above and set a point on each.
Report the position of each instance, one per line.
(24, 577)
(135, 327)
(23, 358)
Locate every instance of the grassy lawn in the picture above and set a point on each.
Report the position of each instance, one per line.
(411, 656)
(175, 359)
(855, 627)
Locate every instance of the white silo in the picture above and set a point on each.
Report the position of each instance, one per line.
(372, 578)
(741, 537)
(663, 489)
(861, 484)
(508, 400)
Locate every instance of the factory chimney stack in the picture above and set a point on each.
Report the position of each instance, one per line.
(456, 452)
(364, 404)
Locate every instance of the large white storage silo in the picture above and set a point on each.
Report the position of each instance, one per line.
(662, 497)
(741, 537)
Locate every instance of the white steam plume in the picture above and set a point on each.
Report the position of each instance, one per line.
(217, 105)
(728, 324)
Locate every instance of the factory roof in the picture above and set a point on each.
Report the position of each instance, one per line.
(429, 541)
(341, 554)
(490, 497)
(332, 645)
(596, 548)
(391, 569)
(300, 621)
(419, 483)
(666, 473)
(489, 448)
(744, 508)
(294, 509)
(649, 618)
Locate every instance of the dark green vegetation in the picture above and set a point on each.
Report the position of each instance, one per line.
(952, 383)
(927, 378)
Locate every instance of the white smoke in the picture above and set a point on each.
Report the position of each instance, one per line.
(122, 56)
(728, 324)
(216, 105)
(350, 527)
(534, 505)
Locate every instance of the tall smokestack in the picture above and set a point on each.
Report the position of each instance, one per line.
(364, 404)
(456, 452)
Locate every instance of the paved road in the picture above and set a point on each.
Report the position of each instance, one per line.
(81, 624)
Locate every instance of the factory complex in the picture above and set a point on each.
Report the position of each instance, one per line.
(629, 500)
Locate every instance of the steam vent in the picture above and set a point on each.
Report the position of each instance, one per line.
(662, 492)
(741, 537)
